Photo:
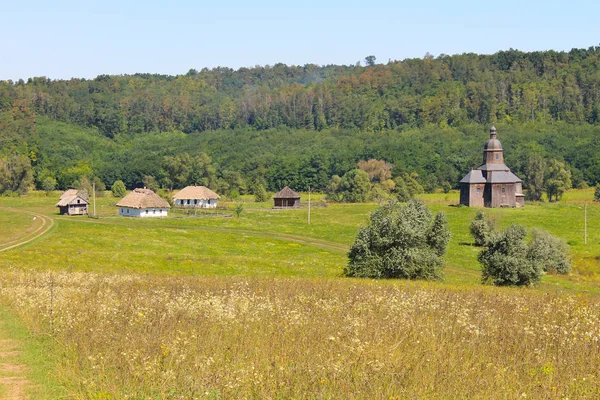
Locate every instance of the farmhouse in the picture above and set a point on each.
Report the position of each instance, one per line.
(73, 202)
(492, 184)
(143, 203)
(286, 198)
(196, 196)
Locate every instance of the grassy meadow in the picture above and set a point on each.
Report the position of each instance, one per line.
(215, 306)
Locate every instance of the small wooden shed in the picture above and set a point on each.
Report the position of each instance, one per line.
(73, 202)
(286, 198)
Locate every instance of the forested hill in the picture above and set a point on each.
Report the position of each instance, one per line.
(301, 125)
(454, 90)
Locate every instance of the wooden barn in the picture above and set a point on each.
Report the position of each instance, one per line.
(73, 202)
(143, 203)
(286, 198)
(492, 184)
(196, 196)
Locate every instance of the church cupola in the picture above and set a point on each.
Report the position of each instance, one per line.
(492, 151)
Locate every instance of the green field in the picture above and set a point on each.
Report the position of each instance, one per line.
(215, 306)
(270, 242)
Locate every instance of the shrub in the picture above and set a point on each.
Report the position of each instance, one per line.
(400, 242)
(118, 189)
(481, 229)
(505, 261)
(260, 194)
(597, 193)
(550, 252)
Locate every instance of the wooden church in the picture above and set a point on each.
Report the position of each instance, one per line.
(492, 184)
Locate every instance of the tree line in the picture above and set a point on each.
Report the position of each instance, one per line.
(511, 85)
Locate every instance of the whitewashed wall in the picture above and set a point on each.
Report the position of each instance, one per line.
(199, 204)
(143, 212)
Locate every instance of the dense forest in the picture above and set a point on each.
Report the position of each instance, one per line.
(303, 125)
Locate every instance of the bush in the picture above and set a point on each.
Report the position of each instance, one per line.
(118, 189)
(260, 194)
(505, 261)
(597, 193)
(481, 229)
(400, 242)
(551, 252)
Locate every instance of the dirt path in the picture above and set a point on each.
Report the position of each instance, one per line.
(13, 379)
(44, 227)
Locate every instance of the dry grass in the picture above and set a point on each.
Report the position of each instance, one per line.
(141, 336)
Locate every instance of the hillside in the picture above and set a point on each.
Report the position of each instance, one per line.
(300, 125)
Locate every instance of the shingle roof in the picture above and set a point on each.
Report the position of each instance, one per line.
(493, 167)
(196, 193)
(286, 193)
(143, 198)
(474, 176)
(503, 177)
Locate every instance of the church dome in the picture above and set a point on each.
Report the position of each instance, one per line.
(492, 144)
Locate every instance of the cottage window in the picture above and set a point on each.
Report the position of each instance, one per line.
(146, 211)
(497, 156)
(78, 201)
(153, 211)
(478, 189)
(195, 201)
(503, 189)
(128, 211)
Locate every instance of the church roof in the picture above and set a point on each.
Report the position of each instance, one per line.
(503, 177)
(493, 167)
(492, 144)
(474, 176)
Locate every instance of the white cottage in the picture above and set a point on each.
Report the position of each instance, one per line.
(196, 196)
(143, 203)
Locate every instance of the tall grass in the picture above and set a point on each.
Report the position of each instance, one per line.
(149, 336)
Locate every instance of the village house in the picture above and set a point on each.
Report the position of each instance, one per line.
(492, 184)
(73, 202)
(286, 198)
(143, 203)
(197, 197)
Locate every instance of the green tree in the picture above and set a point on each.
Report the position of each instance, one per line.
(505, 261)
(150, 183)
(355, 186)
(400, 242)
(549, 252)
(48, 184)
(597, 193)
(370, 61)
(16, 174)
(534, 177)
(481, 229)
(118, 189)
(260, 194)
(557, 180)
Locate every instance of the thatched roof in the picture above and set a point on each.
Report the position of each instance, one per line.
(70, 195)
(286, 193)
(143, 198)
(196, 193)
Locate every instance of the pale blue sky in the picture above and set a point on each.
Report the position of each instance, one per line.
(64, 39)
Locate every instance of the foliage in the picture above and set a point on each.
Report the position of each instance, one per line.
(16, 174)
(534, 176)
(400, 242)
(549, 251)
(597, 193)
(48, 184)
(481, 228)
(353, 187)
(118, 189)
(238, 210)
(407, 187)
(557, 180)
(260, 194)
(378, 170)
(150, 183)
(506, 262)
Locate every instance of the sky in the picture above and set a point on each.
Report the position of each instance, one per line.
(83, 39)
